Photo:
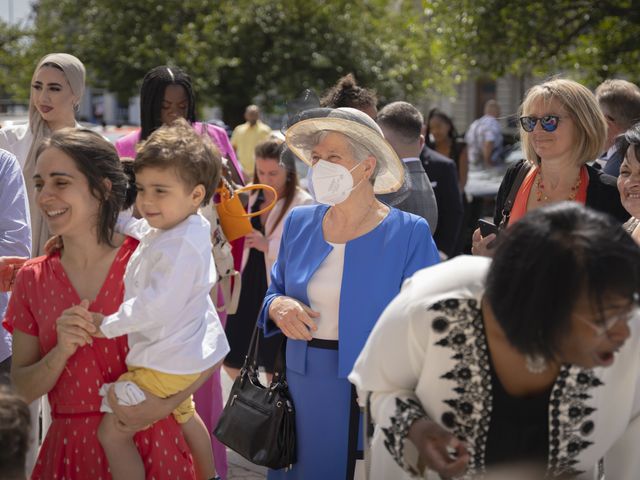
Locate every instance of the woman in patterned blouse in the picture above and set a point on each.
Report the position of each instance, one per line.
(529, 359)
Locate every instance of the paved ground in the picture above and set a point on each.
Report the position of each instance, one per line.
(238, 472)
(239, 468)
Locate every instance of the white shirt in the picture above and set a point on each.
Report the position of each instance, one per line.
(323, 291)
(167, 312)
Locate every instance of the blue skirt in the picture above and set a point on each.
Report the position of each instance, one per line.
(328, 423)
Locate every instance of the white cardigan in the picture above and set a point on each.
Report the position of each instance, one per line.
(408, 364)
(300, 198)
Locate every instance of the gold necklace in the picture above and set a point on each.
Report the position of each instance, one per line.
(541, 196)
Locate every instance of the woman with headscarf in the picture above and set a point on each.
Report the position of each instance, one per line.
(57, 86)
(338, 266)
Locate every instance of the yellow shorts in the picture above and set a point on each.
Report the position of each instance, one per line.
(164, 385)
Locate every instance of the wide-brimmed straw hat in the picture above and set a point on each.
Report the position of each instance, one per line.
(360, 128)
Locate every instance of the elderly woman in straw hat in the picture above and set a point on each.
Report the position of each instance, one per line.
(340, 263)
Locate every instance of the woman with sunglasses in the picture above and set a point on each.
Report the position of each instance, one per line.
(561, 129)
(524, 363)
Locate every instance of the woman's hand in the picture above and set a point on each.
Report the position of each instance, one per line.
(256, 240)
(439, 449)
(74, 328)
(293, 318)
(482, 245)
(138, 417)
(9, 266)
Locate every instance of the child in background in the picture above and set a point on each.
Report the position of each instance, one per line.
(173, 329)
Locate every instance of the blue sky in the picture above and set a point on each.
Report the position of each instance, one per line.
(21, 9)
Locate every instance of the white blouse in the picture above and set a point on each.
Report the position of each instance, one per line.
(167, 312)
(323, 291)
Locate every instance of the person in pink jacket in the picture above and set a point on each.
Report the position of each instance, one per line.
(167, 94)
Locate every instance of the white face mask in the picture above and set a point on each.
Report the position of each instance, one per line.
(332, 183)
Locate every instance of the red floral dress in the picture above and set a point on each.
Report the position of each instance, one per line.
(71, 449)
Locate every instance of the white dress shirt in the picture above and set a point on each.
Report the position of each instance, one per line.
(167, 312)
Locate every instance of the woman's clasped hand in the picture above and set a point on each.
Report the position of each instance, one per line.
(294, 318)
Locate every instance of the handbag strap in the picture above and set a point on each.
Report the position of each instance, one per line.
(279, 366)
(225, 195)
(250, 364)
(251, 358)
(513, 192)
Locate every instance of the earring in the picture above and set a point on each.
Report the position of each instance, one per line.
(535, 363)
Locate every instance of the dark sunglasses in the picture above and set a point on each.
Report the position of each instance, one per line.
(549, 123)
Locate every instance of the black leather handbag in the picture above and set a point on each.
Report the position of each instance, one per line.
(258, 422)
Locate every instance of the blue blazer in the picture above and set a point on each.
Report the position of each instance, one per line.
(375, 265)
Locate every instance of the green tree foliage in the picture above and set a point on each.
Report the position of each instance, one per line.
(591, 39)
(15, 63)
(237, 50)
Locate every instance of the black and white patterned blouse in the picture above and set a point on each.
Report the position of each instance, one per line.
(428, 355)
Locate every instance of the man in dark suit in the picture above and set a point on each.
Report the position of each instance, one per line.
(443, 174)
(401, 123)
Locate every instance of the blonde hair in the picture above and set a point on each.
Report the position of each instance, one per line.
(581, 105)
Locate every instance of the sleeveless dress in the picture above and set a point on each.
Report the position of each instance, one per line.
(71, 449)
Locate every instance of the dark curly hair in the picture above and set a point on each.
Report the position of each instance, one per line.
(97, 160)
(15, 428)
(546, 261)
(347, 93)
